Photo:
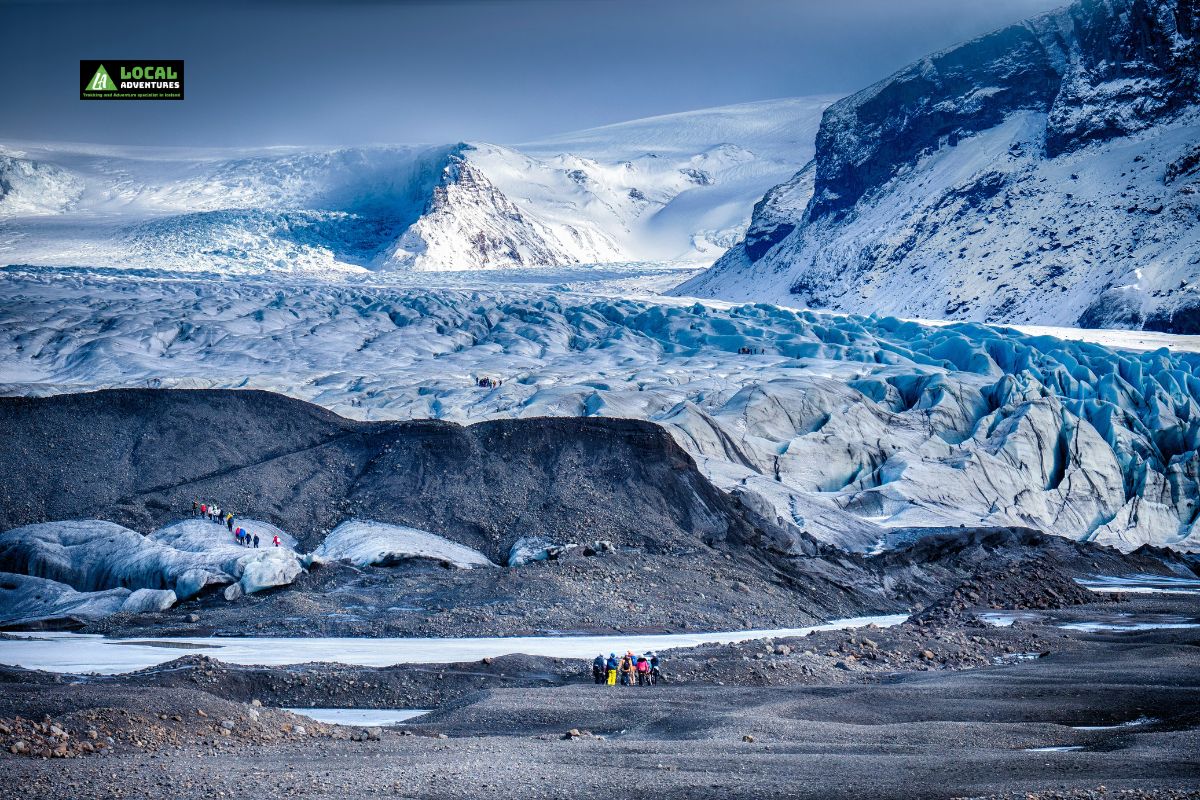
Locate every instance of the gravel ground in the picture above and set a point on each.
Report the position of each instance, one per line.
(727, 724)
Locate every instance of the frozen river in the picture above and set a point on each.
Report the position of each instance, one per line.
(81, 653)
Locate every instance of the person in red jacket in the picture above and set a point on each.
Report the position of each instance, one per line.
(643, 670)
(275, 540)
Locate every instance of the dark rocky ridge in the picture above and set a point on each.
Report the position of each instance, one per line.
(139, 457)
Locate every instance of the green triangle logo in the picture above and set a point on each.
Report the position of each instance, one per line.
(100, 82)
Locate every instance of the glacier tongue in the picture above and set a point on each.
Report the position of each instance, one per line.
(846, 427)
(184, 558)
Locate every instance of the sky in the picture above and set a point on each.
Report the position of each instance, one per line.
(270, 72)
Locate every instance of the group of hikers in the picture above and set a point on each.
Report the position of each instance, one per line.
(488, 383)
(629, 669)
(214, 513)
(751, 351)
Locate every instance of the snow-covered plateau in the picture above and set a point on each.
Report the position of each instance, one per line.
(849, 427)
(1046, 173)
(679, 187)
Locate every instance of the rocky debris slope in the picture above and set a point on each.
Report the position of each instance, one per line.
(52, 720)
(308, 470)
(1043, 173)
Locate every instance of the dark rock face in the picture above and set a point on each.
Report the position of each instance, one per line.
(1099, 69)
(139, 458)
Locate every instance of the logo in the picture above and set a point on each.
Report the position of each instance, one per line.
(100, 82)
(122, 79)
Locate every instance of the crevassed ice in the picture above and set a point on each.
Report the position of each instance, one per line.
(849, 427)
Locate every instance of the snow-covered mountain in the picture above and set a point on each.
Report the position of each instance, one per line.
(673, 188)
(1048, 172)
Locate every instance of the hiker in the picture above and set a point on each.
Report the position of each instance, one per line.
(237, 536)
(229, 521)
(643, 671)
(256, 541)
(655, 669)
(275, 540)
(203, 509)
(627, 669)
(599, 670)
(610, 669)
(195, 508)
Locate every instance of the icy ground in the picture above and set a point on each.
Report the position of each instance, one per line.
(360, 716)
(73, 652)
(848, 427)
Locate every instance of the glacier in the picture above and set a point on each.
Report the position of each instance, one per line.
(28, 601)
(678, 187)
(185, 558)
(860, 430)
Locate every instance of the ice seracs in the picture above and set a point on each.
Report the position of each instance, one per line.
(186, 558)
(92, 555)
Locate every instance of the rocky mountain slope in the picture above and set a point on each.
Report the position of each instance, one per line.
(1045, 173)
(677, 188)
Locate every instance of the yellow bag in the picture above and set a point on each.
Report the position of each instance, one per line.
(612, 677)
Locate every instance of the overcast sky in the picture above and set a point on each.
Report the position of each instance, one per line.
(311, 72)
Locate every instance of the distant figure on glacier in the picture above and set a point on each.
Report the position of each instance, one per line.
(229, 521)
(204, 509)
(256, 540)
(611, 669)
(599, 669)
(195, 508)
(655, 669)
(275, 540)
